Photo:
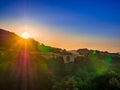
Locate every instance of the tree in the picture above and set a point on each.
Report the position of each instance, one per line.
(71, 84)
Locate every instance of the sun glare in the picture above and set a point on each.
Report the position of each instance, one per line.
(25, 35)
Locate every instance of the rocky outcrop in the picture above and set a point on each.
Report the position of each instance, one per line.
(69, 58)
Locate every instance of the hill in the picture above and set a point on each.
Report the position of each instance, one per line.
(26, 64)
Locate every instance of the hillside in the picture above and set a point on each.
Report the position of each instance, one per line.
(26, 64)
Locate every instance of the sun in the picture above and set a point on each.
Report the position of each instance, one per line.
(25, 35)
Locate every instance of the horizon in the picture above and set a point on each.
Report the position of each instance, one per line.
(21, 36)
(59, 44)
(65, 24)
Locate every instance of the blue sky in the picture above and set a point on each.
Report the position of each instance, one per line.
(90, 18)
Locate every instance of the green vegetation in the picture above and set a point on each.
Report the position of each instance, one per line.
(34, 66)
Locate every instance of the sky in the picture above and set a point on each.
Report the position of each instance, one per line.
(69, 24)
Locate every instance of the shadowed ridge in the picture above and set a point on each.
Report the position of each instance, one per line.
(7, 38)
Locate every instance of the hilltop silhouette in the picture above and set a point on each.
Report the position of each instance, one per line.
(26, 64)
